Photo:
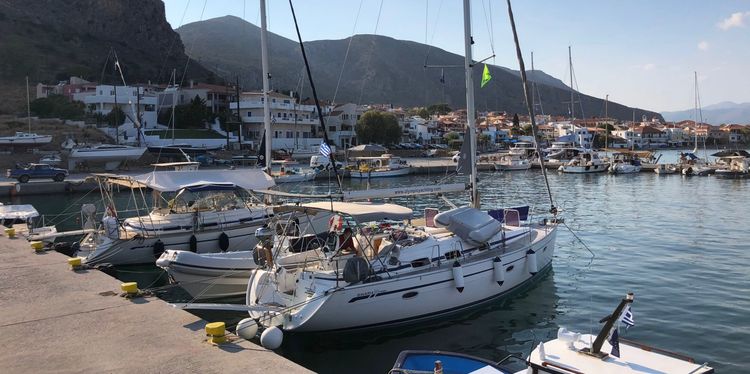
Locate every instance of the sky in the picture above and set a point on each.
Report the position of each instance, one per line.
(639, 52)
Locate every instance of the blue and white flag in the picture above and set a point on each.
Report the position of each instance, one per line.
(325, 150)
(614, 341)
(627, 318)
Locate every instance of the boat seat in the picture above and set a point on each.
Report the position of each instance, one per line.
(469, 224)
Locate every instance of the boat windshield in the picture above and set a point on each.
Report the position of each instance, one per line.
(192, 200)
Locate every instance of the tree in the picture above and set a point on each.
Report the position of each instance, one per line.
(439, 109)
(58, 106)
(526, 129)
(378, 127)
(188, 116)
(115, 117)
(483, 140)
(424, 113)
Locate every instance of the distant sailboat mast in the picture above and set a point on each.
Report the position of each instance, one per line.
(470, 103)
(28, 104)
(572, 100)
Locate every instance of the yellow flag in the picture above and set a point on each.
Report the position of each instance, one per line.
(486, 76)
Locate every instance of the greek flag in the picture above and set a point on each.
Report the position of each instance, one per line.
(325, 150)
(627, 318)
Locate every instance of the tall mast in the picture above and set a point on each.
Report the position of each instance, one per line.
(470, 103)
(606, 126)
(174, 98)
(28, 104)
(266, 84)
(695, 88)
(572, 101)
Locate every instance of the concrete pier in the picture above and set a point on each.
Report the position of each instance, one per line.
(58, 320)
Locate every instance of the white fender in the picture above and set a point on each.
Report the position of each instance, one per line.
(531, 264)
(498, 271)
(458, 276)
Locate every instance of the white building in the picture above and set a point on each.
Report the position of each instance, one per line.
(293, 126)
(341, 123)
(107, 97)
(570, 132)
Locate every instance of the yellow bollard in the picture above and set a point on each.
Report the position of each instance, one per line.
(216, 332)
(130, 288)
(10, 233)
(37, 246)
(75, 263)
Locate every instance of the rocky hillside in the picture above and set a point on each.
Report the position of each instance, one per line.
(52, 40)
(379, 70)
(724, 112)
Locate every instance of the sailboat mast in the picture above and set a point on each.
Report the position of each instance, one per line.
(266, 83)
(606, 126)
(470, 104)
(572, 101)
(695, 110)
(28, 104)
(174, 98)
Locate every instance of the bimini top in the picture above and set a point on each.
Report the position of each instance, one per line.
(364, 212)
(24, 211)
(163, 181)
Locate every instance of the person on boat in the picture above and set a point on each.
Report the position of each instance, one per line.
(346, 241)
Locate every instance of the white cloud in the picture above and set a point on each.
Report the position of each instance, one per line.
(734, 20)
(703, 45)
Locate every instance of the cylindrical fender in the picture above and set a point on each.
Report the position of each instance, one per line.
(498, 271)
(458, 276)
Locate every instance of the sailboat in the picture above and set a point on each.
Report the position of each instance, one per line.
(26, 138)
(379, 268)
(690, 162)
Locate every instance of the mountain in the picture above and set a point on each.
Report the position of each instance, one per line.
(378, 70)
(723, 112)
(49, 41)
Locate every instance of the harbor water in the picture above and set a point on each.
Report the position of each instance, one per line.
(679, 243)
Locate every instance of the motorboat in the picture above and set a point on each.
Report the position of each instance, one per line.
(112, 155)
(691, 165)
(737, 168)
(202, 211)
(624, 163)
(27, 215)
(512, 161)
(25, 139)
(413, 361)
(53, 159)
(288, 172)
(525, 149)
(665, 169)
(569, 353)
(560, 151)
(222, 275)
(386, 165)
(587, 161)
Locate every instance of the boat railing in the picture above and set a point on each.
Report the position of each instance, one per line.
(436, 254)
(556, 366)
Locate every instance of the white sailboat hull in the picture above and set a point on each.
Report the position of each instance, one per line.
(380, 173)
(139, 248)
(414, 297)
(294, 178)
(26, 140)
(108, 154)
(211, 275)
(620, 168)
(512, 166)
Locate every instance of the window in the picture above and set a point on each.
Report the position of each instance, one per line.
(286, 102)
(249, 114)
(289, 134)
(305, 135)
(331, 128)
(278, 114)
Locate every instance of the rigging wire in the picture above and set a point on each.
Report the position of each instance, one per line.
(331, 156)
(346, 55)
(187, 62)
(171, 45)
(369, 55)
(530, 106)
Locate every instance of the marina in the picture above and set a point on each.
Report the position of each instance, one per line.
(648, 236)
(227, 214)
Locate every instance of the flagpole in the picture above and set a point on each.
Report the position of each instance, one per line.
(595, 349)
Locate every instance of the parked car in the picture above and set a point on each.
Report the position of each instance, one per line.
(37, 171)
(430, 153)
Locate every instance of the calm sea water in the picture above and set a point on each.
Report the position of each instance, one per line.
(680, 244)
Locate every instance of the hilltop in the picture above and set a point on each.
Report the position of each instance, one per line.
(379, 70)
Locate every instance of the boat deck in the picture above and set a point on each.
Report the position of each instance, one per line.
(57, 320)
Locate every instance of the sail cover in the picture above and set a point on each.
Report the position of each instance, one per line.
(163, 181)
